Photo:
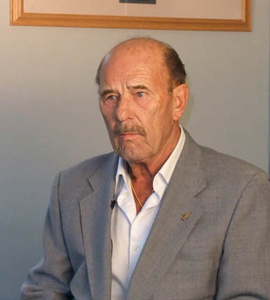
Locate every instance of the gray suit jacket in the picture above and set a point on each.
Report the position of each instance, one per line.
(210, 240)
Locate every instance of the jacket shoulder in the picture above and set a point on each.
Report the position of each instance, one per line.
(218, 166)
(75, 180)
(231, 169)
(87, 167)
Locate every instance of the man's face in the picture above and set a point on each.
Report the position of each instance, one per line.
(138, 109)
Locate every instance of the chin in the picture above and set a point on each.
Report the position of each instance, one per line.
(131, 157)
(130, 152)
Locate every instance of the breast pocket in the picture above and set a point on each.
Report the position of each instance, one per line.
(189, 280)
(186, 266)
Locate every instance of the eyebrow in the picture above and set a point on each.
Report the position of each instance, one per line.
(133, 87)
(138, 87)
(106, 92)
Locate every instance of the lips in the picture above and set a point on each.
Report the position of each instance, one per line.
(128, 135)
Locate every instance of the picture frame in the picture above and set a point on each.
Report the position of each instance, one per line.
(20, 16)
(138, 1)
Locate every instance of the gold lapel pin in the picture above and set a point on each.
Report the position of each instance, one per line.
(185, 216)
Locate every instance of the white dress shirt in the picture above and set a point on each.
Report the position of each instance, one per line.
(129, 231)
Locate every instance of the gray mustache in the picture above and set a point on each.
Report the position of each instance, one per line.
(120, 129)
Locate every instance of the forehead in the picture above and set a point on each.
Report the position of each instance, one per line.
(134, 60)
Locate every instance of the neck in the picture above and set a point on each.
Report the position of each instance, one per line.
(141, 184)
(146, 170)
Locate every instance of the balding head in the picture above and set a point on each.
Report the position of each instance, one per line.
(140, 46)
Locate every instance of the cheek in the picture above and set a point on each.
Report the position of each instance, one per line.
(107, 117)
(152, 130)
(160, 127)
(151, 122)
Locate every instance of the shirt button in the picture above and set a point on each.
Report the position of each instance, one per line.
(136, 248)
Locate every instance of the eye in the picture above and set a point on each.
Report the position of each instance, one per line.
(140, 94)
(110, 97)
(109, 100)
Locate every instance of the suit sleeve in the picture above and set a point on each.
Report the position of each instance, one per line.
(244, 271)
(49, 279)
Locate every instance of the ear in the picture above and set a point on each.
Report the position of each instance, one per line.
(180, 97)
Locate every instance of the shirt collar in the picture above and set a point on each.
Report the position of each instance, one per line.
(167, 169)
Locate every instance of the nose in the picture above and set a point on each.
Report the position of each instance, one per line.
(123, 110)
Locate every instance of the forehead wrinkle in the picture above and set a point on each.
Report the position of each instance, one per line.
(130, 68)
(138, 49)
(137, 86)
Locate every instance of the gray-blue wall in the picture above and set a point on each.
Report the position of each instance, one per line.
(49, 116)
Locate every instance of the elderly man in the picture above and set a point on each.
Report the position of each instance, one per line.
(161, 217)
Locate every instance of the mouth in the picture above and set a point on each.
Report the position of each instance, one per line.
(124, 131)
(128, 135)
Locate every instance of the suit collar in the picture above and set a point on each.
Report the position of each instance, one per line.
(189, 168)
(96, 214)
(105, 174)
(178, 214)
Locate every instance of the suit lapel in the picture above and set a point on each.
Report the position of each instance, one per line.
(96, 214)
(178, 214)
